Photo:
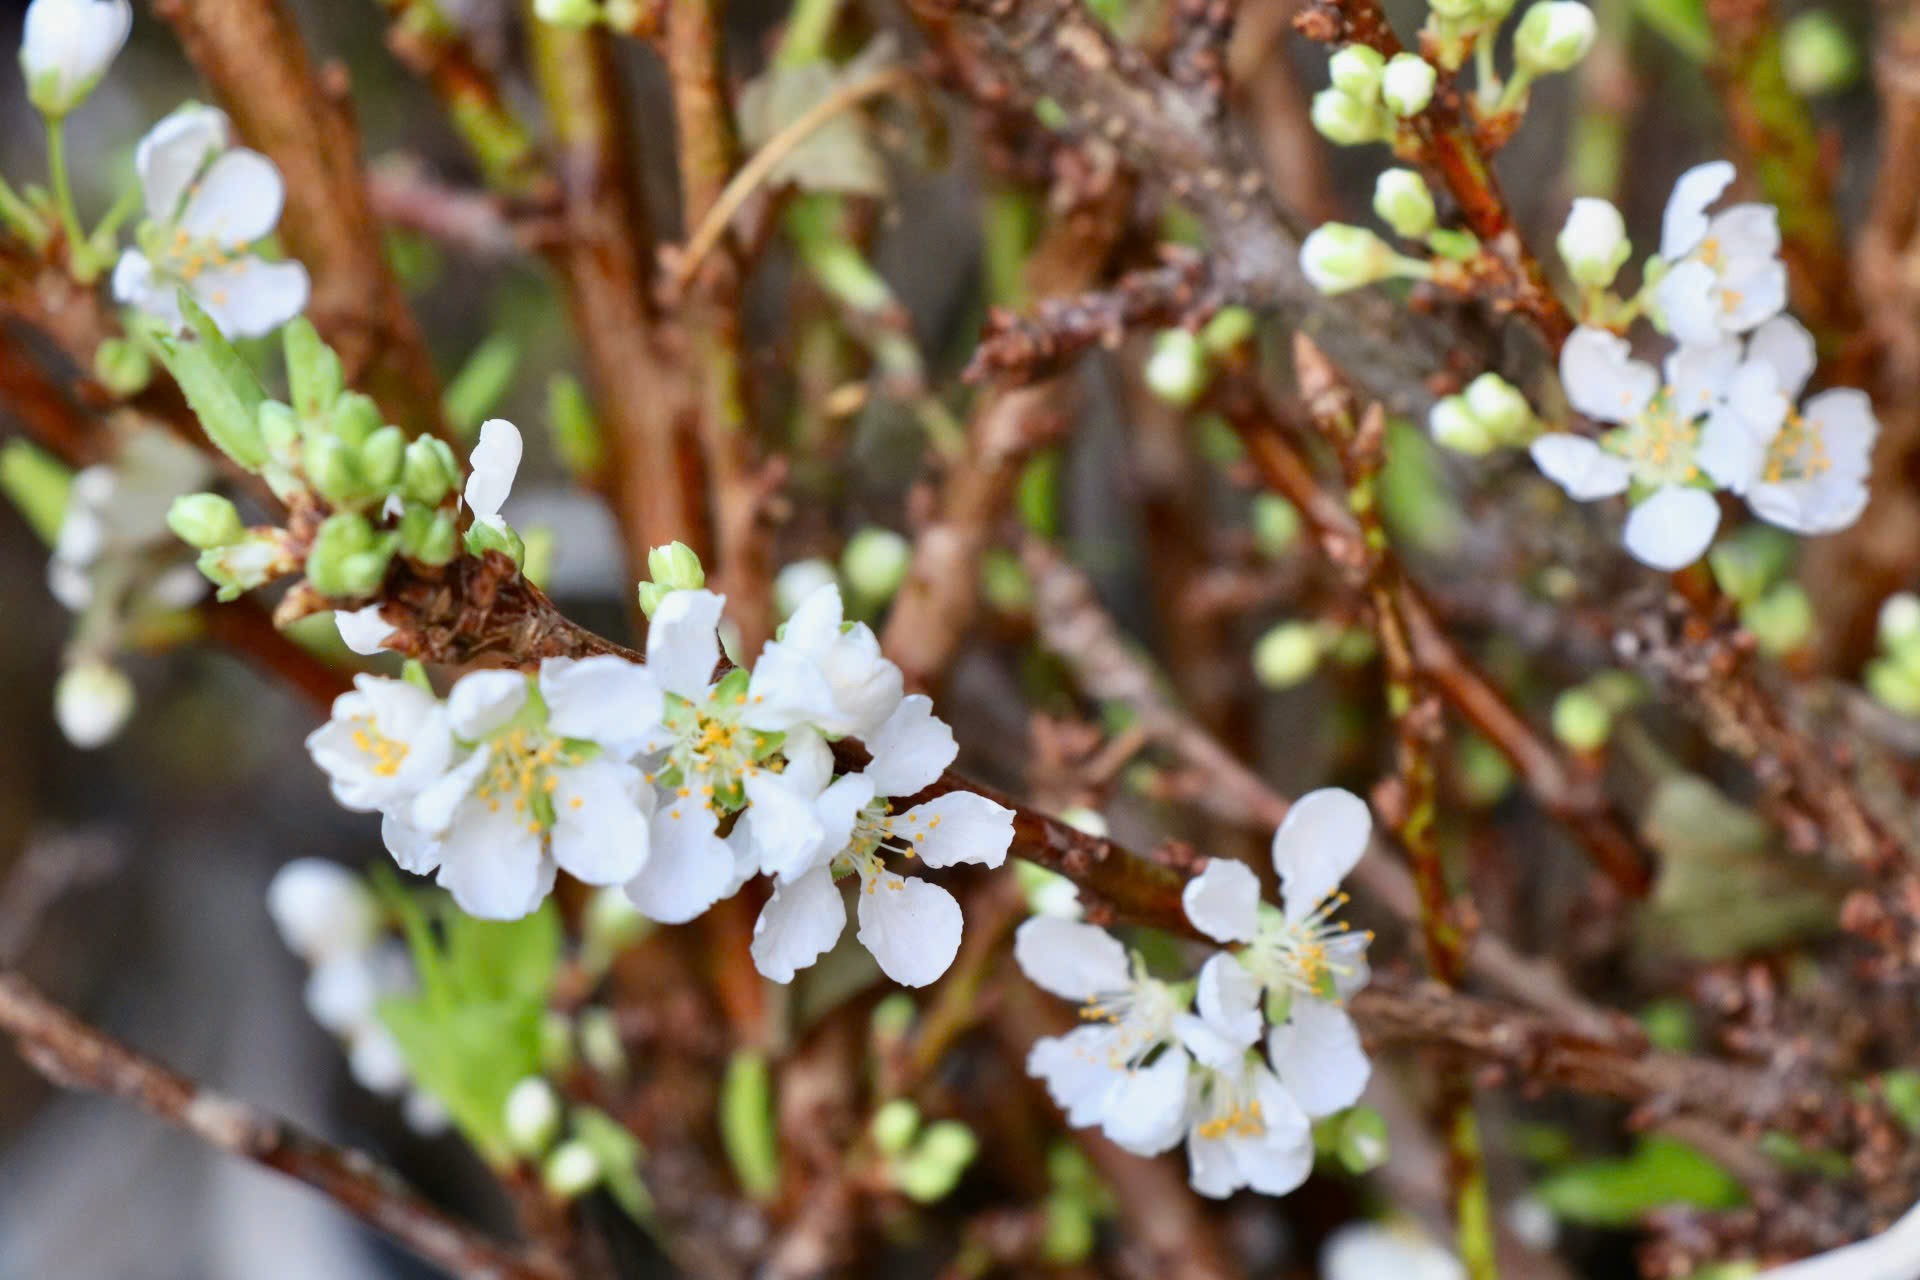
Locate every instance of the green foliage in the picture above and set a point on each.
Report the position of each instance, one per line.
(746, 1124)
(218, 384)
(482, 382)
(1661, 1172)
(1682, 23)
(620, 1154)
(36, 482)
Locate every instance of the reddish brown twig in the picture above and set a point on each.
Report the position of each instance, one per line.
(74, 1055)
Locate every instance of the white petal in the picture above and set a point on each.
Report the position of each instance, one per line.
(809, 762)
(1784, 345)
(815, 625)
(414, 851)
(1211, 1169)
(786, 829)
(688, 868)
(493, 865)
(1318, 1057)
(603, 699)
(1223, 901)
(1147, 1112)
(911, 927)
(251, 297)
(1699, 374)
(322, 909)
(1730, 451)
(236, 201)
(1080, 1072)
(1072, 960)
(1689, 300)
(837, 809)
(363, 630)
(1320, 840)
(957, 827)
(1602, 378)
(1844, 419)
(1673, 528)
(786, 690)
(1367, 1251)
(1684, 224)
(1750, 293)
(491, 468)
(375, 1061)
(1227, 998)
(431, 811)
(482, 701)
(341, 992)
(1581, 467)
(911, 749)
(799, 924)
(600, 828)
(172, 154)
(683, 642)
(1280, 1157)
(71, 42)
(137, 284)
(1746, 231)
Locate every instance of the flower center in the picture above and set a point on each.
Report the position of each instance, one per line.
(520, 772)
(1229, 1114)
(387, 754)
(1659, 444)
(712, 751)
(1141, 1016)
(1303, 956)
(1798, 452)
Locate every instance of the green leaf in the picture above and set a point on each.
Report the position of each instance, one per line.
(620, 1156)
(477, 389)
(37, 482)
(1661, 1172)
(1683, 23)
(746, 1125)
(219, 386)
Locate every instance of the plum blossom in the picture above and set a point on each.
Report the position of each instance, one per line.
(1724, 275)
(1656, 447)
(491, 469)
(911, 927)
(66, 46)
(1305, 962)
(207, 203)
(384, 743)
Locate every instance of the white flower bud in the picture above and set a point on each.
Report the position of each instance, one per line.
(1355, 71)
(1498, 406)
(424, 1114)
(1900, 621)
(1553, 36)
(1346, 121)
(567, 13)
(1594, 243)
(67, 45)
(532, 1116)
(1817, 54)
(1337, 257)
(1081, 818)
(797, 581)
(321, 909)
(1407, 84)
(375, 1061)
(1455, 427)
(572, 1170)
(91, 702)
(1176, 372)
(1401, 198)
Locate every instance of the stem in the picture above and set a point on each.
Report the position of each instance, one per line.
(80, 258)
(808, 26)
(1486, 75)
(22, 217)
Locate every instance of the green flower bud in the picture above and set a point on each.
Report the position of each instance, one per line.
(1355, 71)
(428, 471)
(1594, 243)
(122, 367)
(1581, 720)
(333, 471)
(600, 1043)
(1818, 55)
(1287, 654)
(341, 537)
(676, 567)
(568, 13)
(1894, 685)
(1454, 243)
(1781, 621)
(1276, 524)
(1337, 257)
(253, 561)
(1499, 407)
(1230, 328)
(1901, 1089)
(1454, 425)
(355, 417)
(1004, 582)
(1347, 121)
(1899, 625)
(1553, 35)
(1401, 199)
(571, 1171)
(874, 564)
(532, 1116)
(428, 536)
(381, 458)
(895, 1125)
(1362, 1144)
(1407, 84)
(314, 376)
(483, 537)
(205, 521)
(556, 1039)
(280, 430)
(1753, 558)
(930, 1172)
(1177, 370)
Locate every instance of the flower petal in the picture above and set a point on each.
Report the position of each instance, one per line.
(493, 864)
(1227, 997)
(799, 924)
(363, 630)
(1070, 959)
(1147, 1112)
(1784, 345)
(252, 297)
(1684, 224)
(603, 699)
(688, 867)
(414, 851)
(1602, 378)
(911, 749)
(1699, 373)
(1318, 1057)
(1690, 302)
(172, 154)
(601, 809)
(1673, 528)
(1079, 1071)
(786, 690)
(1322, 838)
(482, 701)
(1279, 1158)
(491, 468)
(957, 827)
(683, 642)
(911, 927)
(236, 201)
(1223, 901)
(1581, 467)
(786, 831)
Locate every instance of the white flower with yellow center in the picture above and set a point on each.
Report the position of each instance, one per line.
(546, 785)
(1123, 1071)
(1304, 962)
(1724, 274)
(1654, 451)
(865, 688)
(911, 927)
(385, 742)
(207, 203)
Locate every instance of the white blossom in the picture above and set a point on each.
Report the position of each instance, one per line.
(1724, 275)
(865, 688)
(207, 203)
(67, 45)
(322, 910)
(911, 927)
(385, 742)
(91, 702)
(1369, 1251)
(1593, 242)
(364, 631)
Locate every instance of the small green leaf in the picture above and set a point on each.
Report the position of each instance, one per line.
(746, 1125)
(1661, 1172)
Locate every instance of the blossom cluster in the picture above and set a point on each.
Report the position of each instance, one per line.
(1723, 411)
(680, 784)
(1239, 1061)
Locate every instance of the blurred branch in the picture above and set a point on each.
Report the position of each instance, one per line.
(74, 1055)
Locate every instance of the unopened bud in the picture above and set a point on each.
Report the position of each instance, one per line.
(568, 13)
(1177, 372)
(796, 581)
(1355, 71)
(931, 1171)
(1899, 625)
(571, 1171)
(1499, 407)
(428, 471)
(1401, 198)
(1454, 426)
(1594, 243)
(123, 367)
(333, 563)
(1276, 523)
(1287, 654)
(1407, 84)
(1347, 121)
(676, 567)
(1362, 1145)
(895, 1125)
(1581, 720)
(1553, 35)
(91, 702)
(381, 458)
(1781, 621)
(532, 1116)
(1818, 55)
(205, 521)
(1337, 257)
(355, 417)
(875, 562)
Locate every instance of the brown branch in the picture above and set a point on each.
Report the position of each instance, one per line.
(74, 1055)
(251, 52)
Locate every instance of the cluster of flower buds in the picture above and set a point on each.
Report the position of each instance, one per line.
(1371, 95)
(361, 491)
(678, 783)
(1238, 1062)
